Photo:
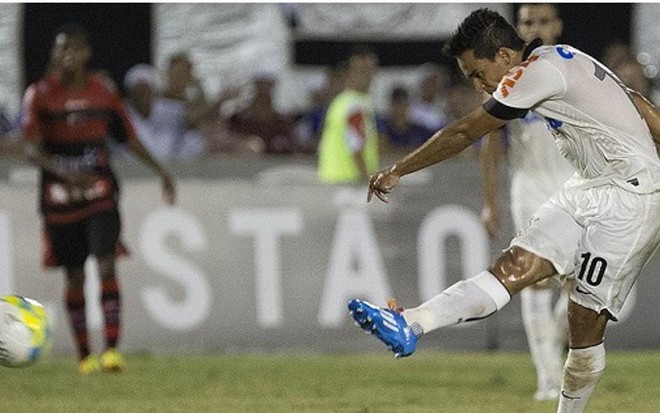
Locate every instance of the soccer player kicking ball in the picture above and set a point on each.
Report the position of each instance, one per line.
(600, 228)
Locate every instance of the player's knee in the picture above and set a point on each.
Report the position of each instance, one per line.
(518, 268)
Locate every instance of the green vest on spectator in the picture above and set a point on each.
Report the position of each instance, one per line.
(336, 163)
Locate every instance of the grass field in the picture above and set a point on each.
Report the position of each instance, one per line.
(427, 382)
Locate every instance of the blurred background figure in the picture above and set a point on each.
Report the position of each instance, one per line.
(310, 124)
(619, 57)
(157, 126)
(427, 107)
(186, 101)
(398, 129)
(9, 133)
(69, 117)
(260, 119)
(349, 148)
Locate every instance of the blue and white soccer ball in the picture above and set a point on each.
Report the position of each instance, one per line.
(24, 333)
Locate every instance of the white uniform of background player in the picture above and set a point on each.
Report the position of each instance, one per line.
(537, 171)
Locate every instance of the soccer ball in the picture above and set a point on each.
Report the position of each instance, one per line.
(24, 333)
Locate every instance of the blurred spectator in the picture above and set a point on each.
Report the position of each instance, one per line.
(400, 131)
(632, 75)
(9, 133)
(6, 123)
(159, 125)
(186, 101)
(615, 53)
(310, 125)
(427, 106)
(261, 119)
(348, 150)
(160, 122)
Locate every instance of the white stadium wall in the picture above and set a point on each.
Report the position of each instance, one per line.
(258, 256)
(10, 58)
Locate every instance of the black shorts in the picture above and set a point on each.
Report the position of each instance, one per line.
(71, 244)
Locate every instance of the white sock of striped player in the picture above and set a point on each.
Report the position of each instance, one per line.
(582, 371)
(467, 300)
(542, 337)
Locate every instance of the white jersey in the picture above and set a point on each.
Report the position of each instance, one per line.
(536, 168)
(593, 120)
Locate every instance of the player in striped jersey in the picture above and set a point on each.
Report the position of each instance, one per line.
(69, 117)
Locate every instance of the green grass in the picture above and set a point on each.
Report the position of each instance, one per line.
(427, 382)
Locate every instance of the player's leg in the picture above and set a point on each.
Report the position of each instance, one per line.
(623, 232)
(103, 234)
(585, 362)
(542, 333)
(67, 243)
(467, 300)
(483, 295)
(553, 231)
(76, 307)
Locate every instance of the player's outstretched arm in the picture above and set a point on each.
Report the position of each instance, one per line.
(649, 112)
(169, 191)
(444, 144)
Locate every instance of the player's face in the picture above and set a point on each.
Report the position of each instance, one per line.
(486, 74)
(539, 20)
(71, 53)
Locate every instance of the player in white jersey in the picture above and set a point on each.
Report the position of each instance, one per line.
(537, 170)
(599, 229)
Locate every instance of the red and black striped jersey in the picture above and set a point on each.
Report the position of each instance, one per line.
(75, 127)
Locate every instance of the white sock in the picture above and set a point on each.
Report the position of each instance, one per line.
(467, 300)
(542, 336)
(582, 371)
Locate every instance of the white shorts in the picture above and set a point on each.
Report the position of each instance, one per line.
(601, 237)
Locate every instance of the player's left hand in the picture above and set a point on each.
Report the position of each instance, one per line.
(382, 184)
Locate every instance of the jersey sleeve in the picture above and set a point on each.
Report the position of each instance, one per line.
(524, 87)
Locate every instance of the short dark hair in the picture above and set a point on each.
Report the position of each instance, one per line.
(484, 31)
(73, 30)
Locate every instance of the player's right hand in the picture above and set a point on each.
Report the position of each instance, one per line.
(382, 184)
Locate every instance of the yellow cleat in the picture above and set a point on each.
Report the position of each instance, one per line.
(89, 365)
(112, 361)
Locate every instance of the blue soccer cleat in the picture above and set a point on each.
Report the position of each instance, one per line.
(387, 324)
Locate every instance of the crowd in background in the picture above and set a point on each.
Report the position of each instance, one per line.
(177, 119)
